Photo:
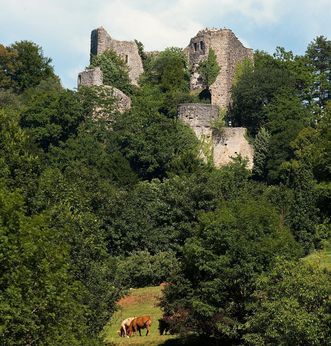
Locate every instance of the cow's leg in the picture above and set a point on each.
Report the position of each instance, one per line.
(139, 331)
(148, 324)
(126, 331)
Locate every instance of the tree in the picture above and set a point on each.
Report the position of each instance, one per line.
(52, 117)
(312, 151)
(319, 55)
(159, 216)
(167, 74)
(221, 262)
(154, 144)
(261, 149)
(40, 301)
(312, 146)
(141, 268)
(291, 306)
(209, 68)
(78, 208)
(115, 70)
(242, 68)
(141, 52)
(304, 216)
(299, 67)
(19, 167)
(169, 70)
(7, 67)
(286, 117)
(29, 66)
(255, 89)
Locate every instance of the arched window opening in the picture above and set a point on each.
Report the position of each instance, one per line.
(205, 96)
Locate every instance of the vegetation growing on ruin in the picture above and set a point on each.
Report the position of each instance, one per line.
(209, 68)
(114, 69)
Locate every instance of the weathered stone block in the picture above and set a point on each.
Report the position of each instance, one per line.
(229, 143)
(90, 77)
(226, 144)
(199, 117)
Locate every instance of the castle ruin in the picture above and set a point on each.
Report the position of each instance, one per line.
(230, 52)
(223, 145)
(127, 50)
(94, 77)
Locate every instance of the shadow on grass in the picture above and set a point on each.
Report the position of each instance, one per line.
(193, 340)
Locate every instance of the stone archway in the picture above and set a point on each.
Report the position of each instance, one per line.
(205, 96)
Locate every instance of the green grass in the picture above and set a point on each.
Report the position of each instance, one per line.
(322, 258)
(141, 301)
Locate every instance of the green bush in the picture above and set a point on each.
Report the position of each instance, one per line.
(143, 269)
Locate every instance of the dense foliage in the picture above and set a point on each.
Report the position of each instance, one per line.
(114, 69)
(23, 66)
(209, 68)
(93, 202)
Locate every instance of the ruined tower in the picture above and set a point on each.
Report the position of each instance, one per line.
(127, 50)
(229, 52)
(224, 144)
(230, 141)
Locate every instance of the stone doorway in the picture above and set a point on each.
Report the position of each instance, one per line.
(205, 96)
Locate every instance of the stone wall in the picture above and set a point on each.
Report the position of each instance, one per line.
(127, 50)
(225, 144)
(100, 40)
(91, 76)
(229, 143)
(229, 52)
(123, 101)
(199, 117)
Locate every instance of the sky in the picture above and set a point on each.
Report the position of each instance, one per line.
(62, 27)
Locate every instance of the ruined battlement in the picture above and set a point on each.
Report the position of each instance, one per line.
(227, 47)
(127, 50)
(199, 117)
(229, 53)
(226, 144)
(91, 76)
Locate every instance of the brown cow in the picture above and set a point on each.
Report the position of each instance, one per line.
(139, 323)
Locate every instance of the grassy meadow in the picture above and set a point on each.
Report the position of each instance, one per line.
(140, 301)
(322, 257)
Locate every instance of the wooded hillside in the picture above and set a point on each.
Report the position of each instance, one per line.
(89, 209)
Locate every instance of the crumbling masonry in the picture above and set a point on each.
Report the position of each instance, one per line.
(229, 51)
(127, 50)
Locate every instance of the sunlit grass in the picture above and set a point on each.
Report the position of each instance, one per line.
(322, 258)
(141, 301)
